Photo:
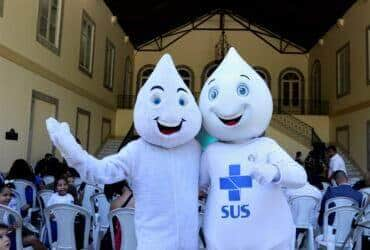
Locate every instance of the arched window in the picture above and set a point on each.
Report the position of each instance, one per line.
(315, 94)
(208, 70)
(291, 89)
(265, 75)
(143, 75)
(187, 75)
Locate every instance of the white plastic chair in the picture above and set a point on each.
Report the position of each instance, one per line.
(48, 179)
(304, 211)
(340, 201)
(43, 197)
(18, 199)
(20, 186)
(89, 191)
(365, 190)
(336, 234)
(125, 217)
(77, 182)
(65, 215)
(5, 213)
(101, 220)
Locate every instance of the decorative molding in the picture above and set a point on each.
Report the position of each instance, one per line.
(42, 71)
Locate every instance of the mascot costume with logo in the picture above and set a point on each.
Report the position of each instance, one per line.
(243, 172)
(162, 166)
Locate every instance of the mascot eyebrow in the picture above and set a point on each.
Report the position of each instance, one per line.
(211, 81)
(245, 76)
(157, 87)
(182, 89)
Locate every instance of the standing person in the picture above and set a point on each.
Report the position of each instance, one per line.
(244, 172)
(162, 166)
(336, 162)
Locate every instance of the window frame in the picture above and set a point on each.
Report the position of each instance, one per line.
(109, 77)
(1, 8)
(82, 68)
(367, 55)
(337, 66)
(54, 47)
(191, 75)
(139, 81)
(266, 73)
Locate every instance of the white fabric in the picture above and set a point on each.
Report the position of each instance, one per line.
(336, 163)
(55, 198)
(163, 169)
(246, 207)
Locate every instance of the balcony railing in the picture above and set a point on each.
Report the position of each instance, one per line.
(126, 101)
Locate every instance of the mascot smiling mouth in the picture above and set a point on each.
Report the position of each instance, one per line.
(231, 122)
(168, 129)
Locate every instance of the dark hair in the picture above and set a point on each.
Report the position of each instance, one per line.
(3, 226)
(111, 190)
(339, 174)
(298, 153)
(57, 179)
(21, 170)
(332, 148)
(3, 185)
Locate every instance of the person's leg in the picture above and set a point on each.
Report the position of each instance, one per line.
(34, 242)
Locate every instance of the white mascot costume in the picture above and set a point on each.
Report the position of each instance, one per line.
(244, 173)
(162, 166)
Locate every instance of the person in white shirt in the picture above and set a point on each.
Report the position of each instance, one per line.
(336, 162)
(61, 195)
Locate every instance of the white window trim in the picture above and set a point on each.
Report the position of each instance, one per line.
(88, 70)
(109, 76)
(343, 88)
(45, 41)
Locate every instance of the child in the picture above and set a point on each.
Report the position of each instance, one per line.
(28, 238)
(61, 195)
(4, 239)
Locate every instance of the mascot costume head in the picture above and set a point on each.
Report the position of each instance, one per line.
(235, 101)
(166, 113)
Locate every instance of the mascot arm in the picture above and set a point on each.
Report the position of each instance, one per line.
(204, 179)
(111, 169)
(291, 174)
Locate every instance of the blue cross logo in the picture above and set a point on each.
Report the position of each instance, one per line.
(234, 182)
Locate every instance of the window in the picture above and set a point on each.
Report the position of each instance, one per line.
(110, 57)
(1, 8)
(186, 74)
(291, 91)
(208, 70)
(128, 77)
(143, 75)
(368, 54)
(87, 44)
(343, 71)
(264, 74)
(49, 24)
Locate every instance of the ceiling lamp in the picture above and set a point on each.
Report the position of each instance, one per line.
(222, 46)
(340, 22)
(321, 42)
(113, 19)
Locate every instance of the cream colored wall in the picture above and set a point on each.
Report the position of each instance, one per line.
(319, 122)
(196, 50)
(16, 95)
(290, 145)
(124, 118)
(353, 109)
(18, 32)
(27, 65)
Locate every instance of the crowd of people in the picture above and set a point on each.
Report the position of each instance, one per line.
(326, 171)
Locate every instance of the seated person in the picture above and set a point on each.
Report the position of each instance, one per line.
(27, 236)
(4, 239)
(343, 189)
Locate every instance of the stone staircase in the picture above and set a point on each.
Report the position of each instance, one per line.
(354, 174)
(110, 147)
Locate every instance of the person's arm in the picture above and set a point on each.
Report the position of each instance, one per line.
(111, 169)
(118, 202)
(280, 168)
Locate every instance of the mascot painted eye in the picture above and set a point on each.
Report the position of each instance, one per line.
(242, 89)
(213, 93)
(156, 99)
(183, 101)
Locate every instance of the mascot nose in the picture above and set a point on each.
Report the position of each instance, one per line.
(170, 116)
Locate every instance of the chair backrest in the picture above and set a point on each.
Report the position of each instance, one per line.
(77, 181)
(48, 179)
(365, 190)
(303, 210)
(103, 208)
(89, 191)
(325, 186)
(340, 201)
(43, 197)
(20, 186)
(5, 214)
(65, 216)
(342, 223)
(126, 219)
(17, 196)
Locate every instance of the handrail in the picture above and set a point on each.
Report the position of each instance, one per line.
(347, 155)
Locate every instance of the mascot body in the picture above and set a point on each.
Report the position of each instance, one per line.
(244, 173)
(162, 166)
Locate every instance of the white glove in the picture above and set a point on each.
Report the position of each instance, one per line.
(62, 138)
(264, 173)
